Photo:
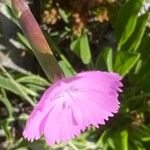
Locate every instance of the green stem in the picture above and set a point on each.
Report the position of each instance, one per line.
(37, 40)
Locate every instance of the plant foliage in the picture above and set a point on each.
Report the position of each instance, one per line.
(110, 35)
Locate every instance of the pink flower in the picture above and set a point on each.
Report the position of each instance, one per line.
(72, 104)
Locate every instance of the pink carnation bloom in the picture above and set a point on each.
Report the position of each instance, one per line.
(72, 104)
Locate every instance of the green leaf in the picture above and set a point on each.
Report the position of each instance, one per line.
(81, 48)
(143, 133)
(85, 52)
(126, 20)
(105, 60)
(33, 79)
(24, 41)
(15, 88)
(75, 46)
(62, 56)
(138, 66)
(138, 145)
(8, 13)
(125, 61)
(35, 88)
(103, 139)
(121, 140)
(8, 105)
(6, 129)
(67, 71)
(8, 85)
(134, 41)
(29, 91)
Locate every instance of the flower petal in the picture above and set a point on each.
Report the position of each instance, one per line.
(72, 104)
(33, 129)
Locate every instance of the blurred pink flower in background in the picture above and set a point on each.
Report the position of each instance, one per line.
(72, 104)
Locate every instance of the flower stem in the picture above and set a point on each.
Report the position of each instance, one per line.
(37, 40)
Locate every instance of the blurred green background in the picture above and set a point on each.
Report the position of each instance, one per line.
(111, 35)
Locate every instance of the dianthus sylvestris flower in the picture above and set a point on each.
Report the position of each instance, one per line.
(72, 104)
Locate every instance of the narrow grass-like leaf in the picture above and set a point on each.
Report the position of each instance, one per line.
(62, 56)
(75, 46)
(134, 41)
(36, 88)
(82, 49)
(6, 129)
(29, 91)
(24, 41)
(65, 69)
(6, 102)
(85, 52)
(105, 60)
(7, 12)
(15, 88)
(143, 133)
(33, 79)
(125, 61)
(103, 139)
(121, 140)
(126, 20)
(10, 84)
